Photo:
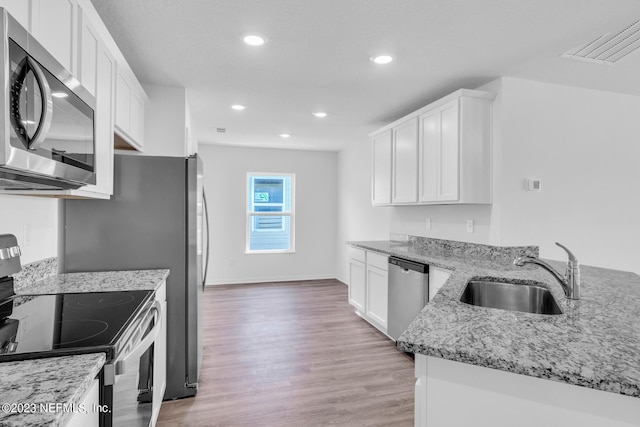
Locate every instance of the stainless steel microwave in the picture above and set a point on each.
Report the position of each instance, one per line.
(47, 133)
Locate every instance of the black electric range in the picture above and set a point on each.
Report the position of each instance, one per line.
(124, 325)
(35, 326)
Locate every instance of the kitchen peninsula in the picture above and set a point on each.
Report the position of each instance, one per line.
(478, 365)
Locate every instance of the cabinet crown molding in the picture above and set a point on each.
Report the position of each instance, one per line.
(471, 93)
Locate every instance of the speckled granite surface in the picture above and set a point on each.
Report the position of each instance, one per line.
(102, 281)
(35, 271)
(63, 380)
(595, 343)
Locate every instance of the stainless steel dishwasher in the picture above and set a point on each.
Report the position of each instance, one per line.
(408, 293)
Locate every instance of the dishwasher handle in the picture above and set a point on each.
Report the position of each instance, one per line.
(406, 265)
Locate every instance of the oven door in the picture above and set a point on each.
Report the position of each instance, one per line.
(133, 385)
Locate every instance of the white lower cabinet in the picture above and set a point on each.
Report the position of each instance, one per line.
(437, 277)
(357, 278)
(452, 393)
(160, 355)
(368, 286)
(89, 417)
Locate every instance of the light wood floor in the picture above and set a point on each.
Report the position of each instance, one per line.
(294, 354)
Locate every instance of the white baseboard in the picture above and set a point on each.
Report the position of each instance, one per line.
(248, 280)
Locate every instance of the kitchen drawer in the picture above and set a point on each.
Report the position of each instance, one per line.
(357, 254)
(378, 260)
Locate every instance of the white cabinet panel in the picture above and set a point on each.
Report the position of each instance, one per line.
(437, 278)
(377, 295)
(160, 355)
(129, 121)
(90, 417)
(405, 162)
(357, 284)
(88, 42)
(19, 9)
(381, 168)
(137, 118)
(123, 102)
(104, 124)
(53, 25)
(430, 124)
(449, 152)
(447, 387)
(439, 154)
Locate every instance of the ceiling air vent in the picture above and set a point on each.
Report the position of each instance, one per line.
(609, 48)
(221, 130)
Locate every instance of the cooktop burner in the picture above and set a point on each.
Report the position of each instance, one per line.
(68, 323)
(88, 329)
(101, 300)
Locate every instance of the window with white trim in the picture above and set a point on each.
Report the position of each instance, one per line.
(270, 213)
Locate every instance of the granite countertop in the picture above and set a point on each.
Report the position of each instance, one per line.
(52, 382)
(101, 281)
(595, 343)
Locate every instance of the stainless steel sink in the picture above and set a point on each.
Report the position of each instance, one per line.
(510, 296)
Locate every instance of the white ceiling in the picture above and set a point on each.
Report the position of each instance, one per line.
(317, 57)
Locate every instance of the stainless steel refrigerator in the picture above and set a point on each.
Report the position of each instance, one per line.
(156, 218)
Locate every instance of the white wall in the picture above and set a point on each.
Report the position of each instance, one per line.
(582, 144)
(164, 122)
(585, 147)
(357, 219)
(225, 171)
(38, 212)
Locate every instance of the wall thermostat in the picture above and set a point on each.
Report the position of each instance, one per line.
(534, 184)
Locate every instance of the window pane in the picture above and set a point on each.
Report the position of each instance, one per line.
(268, 190)
(269, 233)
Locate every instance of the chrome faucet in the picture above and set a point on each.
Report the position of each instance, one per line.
(570, 282)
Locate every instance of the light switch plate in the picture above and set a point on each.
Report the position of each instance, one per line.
(427, 223)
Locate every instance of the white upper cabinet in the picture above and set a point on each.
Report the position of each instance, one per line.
(72, 31)
(106, 67)
(404, 180)
(130, 104)
(53, 24)
(439, 154)
(442, 152)
(20, 10)
(88, 41)
(381, 168)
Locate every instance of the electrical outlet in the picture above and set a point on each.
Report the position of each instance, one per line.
(469, 226)
(427, 223)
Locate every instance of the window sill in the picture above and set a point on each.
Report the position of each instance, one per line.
(270, 252)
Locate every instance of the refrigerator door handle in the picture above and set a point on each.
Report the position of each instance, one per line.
(206, 219)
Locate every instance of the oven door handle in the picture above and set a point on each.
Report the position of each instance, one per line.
(132, 357)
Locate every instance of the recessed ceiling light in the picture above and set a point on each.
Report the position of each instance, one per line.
(238, 107)
(59, 94)
(284, 135)
(320, 114)
(254, 40)
(381, 59)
